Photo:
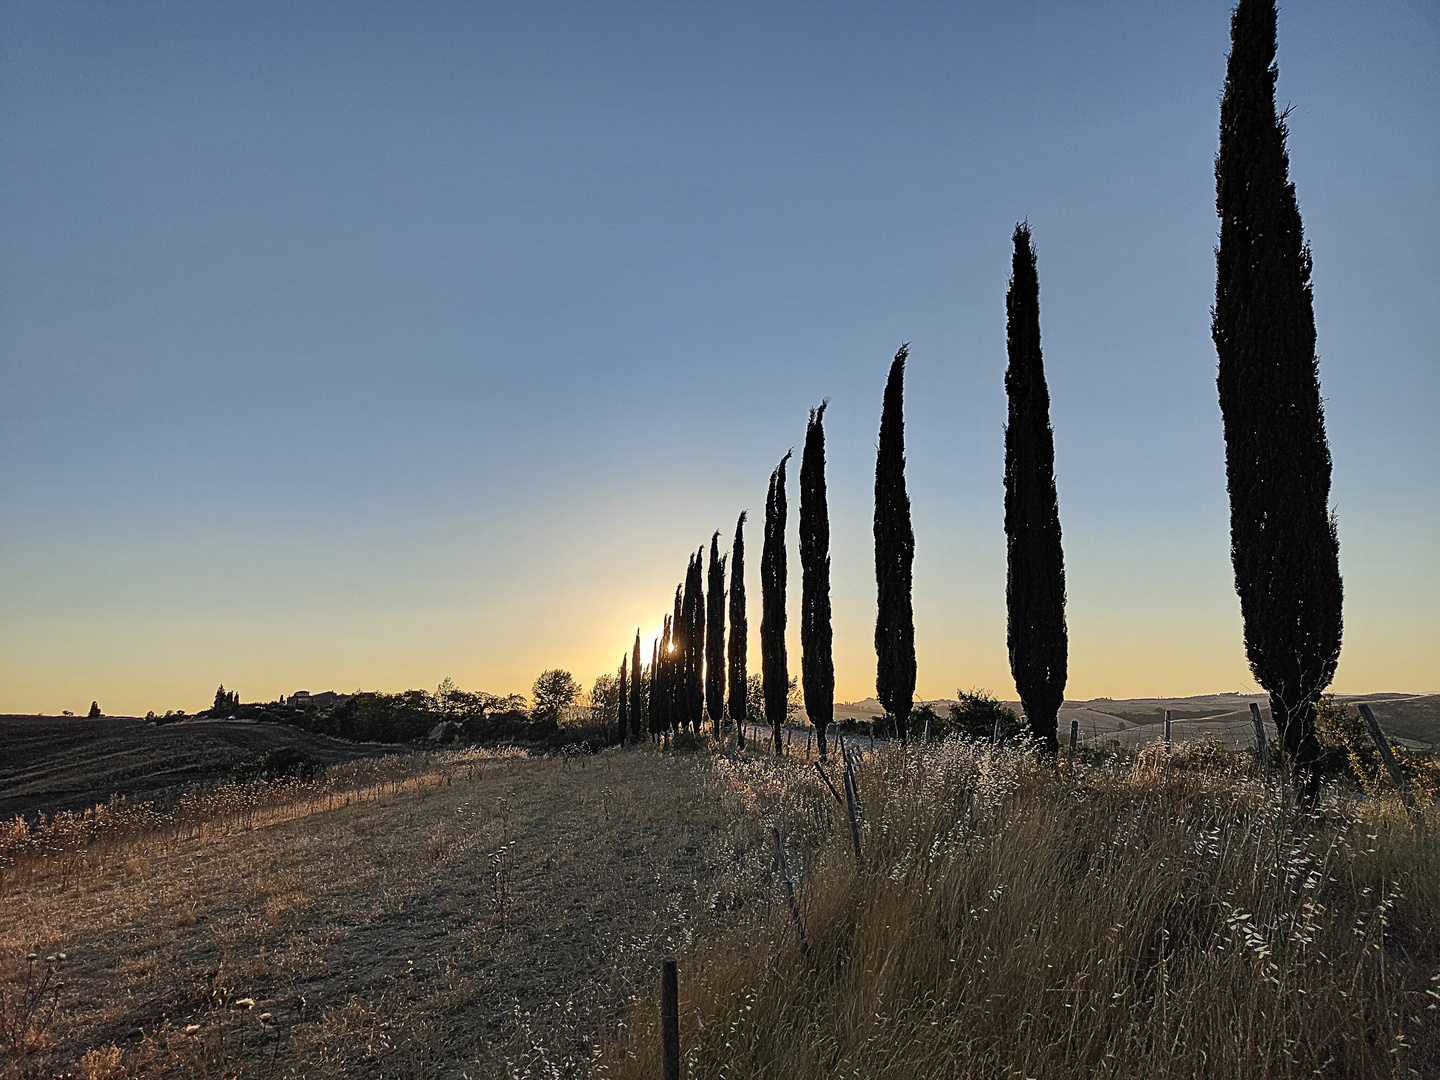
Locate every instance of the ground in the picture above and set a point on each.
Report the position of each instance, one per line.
(490, 922)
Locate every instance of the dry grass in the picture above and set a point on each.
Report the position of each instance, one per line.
(1165, 918)
(465, 916)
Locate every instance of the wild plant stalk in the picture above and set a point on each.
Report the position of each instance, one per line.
(1035, 577)
(894, 557)
(1283, 539)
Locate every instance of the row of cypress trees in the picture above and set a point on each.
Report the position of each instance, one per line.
(1284, 544)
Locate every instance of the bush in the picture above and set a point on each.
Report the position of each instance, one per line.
(283, 762)
(977, 712)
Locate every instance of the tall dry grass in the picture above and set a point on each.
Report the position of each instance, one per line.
(1167, 917)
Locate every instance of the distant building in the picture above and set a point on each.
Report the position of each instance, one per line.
(326, 699)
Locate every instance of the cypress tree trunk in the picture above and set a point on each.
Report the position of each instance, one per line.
(739, 633)
(715, 637)
(1035, 580)
(624, 703)
(773, 665)
(817, 663)
(637, 690)
(894, 557)
(1283, 542)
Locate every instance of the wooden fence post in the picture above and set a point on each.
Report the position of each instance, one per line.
(782, 866)
(820, 769)
(1261, 743)
(670, 1020)
(851, 799)
(1167, 731)
(1383, 745)
(1074, 735)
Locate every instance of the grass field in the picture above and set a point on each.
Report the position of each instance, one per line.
(473, 914)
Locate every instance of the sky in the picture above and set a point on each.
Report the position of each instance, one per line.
(355, 346)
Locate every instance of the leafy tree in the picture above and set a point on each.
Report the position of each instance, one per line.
(976, 714)
(715, 636)
(605, 701)
(894, 555)
(1283, 540)
(554, 692)
(637, 691)
(817, 662)
(739, 631)
(772, 602)
(1035, 581)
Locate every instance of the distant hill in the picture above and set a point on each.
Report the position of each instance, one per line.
(1412, 718)
(70, 763)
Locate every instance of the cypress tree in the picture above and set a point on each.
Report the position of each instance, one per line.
(656, 721)
(692, 659)
(739, 633)
(1035, 578)
(894, 557)
(773, 665)
(663, 679)
(715, 636)
(624, 702)
(817, 663)
(637, 690)
(674, 681)
(1283, 541)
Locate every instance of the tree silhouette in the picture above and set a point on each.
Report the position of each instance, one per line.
(637, 690)
(715, 636)
(817, 663)
(1035, 579)
(624, 702)
(772, 603)
(1283, 540)
(894, 557)
(739, 631)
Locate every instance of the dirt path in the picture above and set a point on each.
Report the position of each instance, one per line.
(483, 929)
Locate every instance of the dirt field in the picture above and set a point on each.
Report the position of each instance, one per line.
(484, 926)
(54, 763)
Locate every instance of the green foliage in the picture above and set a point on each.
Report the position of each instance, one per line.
(554, 692)
(817, 663)
(976, 713)
(605, 701)
(281, 763)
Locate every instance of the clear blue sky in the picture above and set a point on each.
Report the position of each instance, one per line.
(352, 345)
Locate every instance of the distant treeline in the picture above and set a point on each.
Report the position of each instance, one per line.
(448, 715)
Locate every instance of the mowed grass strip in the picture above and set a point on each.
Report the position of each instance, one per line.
(491, 920)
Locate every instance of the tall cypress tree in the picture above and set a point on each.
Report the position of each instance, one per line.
(624, 702)
(654, 707)
(1283, 542)
(1035, 580)
(715, 636)
(773, 666)
(739, 633)
(674, 680)
(663, 681)
(894, 557)
(637, 690)
(817, 663)
(692, 662)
